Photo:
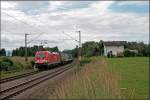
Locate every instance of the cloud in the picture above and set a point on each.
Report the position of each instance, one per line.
(133, 2)
(95, 20)
(8, 5)
(138, 7)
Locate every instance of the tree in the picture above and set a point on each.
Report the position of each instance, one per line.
(128, 53)
(54, 49)
(13, 52)
(2, 52)
(101, 47)
(90, 48)
(75, 52)
(143, 49)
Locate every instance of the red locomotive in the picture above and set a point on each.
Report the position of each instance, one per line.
(45, 59)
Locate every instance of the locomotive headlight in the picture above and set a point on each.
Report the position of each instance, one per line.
(37, 61)
(45, 61)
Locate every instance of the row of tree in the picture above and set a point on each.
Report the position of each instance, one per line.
(2, 52)
(91, 48)
(31, 50)
(143, 49)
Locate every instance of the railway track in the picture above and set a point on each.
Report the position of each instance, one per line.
(17, 77)
(12, 91)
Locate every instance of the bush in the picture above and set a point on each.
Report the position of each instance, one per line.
(15, 64)
(120, 55)
(128, 53)
(28, 65)
(32, 63)
(85, 60)
(18, 66)
(140, 54)
(5, 59)
(6, 64)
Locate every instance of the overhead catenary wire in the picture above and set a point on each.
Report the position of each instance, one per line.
(33, 39)
(37, 41)
(70, 36)
(27, 41)
(48, 42)
(22, 21)
(5, 36)
(28, 25)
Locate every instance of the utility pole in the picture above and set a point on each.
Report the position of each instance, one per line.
(0, 40)
(26, 58)
(79, 45)
(79, 41)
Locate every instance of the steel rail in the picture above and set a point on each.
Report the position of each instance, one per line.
(17, 77)
(40, 79)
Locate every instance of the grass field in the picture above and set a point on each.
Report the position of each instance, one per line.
(92, 81)
(134, 72)
(103, 78)
(19, 67)
(5, 74)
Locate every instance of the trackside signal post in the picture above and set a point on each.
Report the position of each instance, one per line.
(26, 57)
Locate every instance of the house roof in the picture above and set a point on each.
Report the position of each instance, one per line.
(114, 43)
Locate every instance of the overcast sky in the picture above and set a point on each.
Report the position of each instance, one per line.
(97, 20)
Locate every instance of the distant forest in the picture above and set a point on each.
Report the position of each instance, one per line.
(90, 48)
(31, 50)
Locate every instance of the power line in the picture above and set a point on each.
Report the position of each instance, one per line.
(65, 39)
(33, 39)
(70, 36)
(21, 21)
(79, 41)
(26, 24)
(9, 32)
(27, 42)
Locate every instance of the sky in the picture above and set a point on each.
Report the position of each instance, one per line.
(53, 21)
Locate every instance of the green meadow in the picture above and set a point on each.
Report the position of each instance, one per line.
(134, 75)
(107, 78)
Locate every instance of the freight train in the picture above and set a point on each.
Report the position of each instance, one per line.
(47, 59)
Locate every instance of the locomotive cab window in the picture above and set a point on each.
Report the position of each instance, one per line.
(40, 55)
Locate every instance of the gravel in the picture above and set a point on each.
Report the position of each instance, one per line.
(45, 89)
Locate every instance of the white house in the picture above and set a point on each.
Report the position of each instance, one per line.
(114, 47)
